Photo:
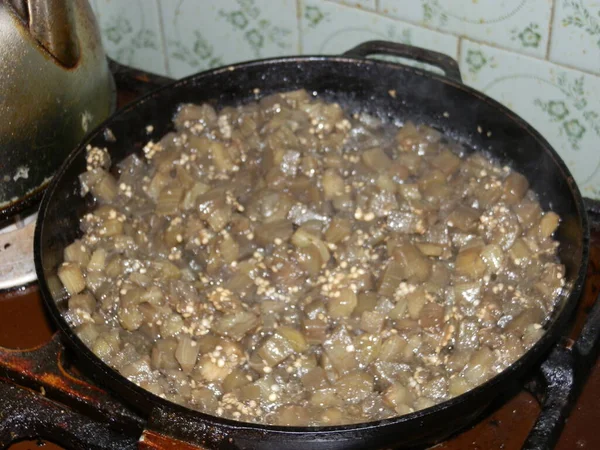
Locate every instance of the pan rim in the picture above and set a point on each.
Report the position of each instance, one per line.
(549, 338)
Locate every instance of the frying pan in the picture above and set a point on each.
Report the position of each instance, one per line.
(358, 84)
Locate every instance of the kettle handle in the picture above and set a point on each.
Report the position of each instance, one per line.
(52, 24)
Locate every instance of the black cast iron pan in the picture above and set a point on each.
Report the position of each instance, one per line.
(359, 84)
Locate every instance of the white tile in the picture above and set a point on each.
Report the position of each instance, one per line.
(202, 34)
(330, 28)
(131, 33)
(521, 25)
(367, 4)
(562, 104)
(93, 5)
(95, 10)
(575, 36)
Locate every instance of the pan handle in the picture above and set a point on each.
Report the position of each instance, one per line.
(444, 62)
(135, 82)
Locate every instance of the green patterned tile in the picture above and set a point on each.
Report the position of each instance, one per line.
(201, 35)
(576, 34)
(520, 25)
(330, 28)
(562, 104)
(131, 33)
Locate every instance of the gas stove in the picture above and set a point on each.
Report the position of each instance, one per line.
(46, 399)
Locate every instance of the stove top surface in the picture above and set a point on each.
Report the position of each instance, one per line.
(16, 252)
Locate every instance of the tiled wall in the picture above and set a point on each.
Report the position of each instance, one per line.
(538, 57)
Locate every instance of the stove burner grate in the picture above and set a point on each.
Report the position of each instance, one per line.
(16, 253)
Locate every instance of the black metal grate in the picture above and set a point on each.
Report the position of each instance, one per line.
(564, 373)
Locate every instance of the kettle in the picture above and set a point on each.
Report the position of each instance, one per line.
(55, 86)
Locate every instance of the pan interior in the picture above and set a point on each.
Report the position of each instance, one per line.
(386, 90)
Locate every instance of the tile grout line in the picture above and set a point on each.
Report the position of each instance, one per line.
(299, 25)
(570, 67)
(356, 5)
(459, 51)
(550, 29)
(163, 38)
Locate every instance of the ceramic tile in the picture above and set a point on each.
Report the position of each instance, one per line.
(201, 35)
(93, 5)
(562, 104)
(329, 28)
(96, 13)
(367, 4)
(521, 25)
(576, 34)
(131, 33)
